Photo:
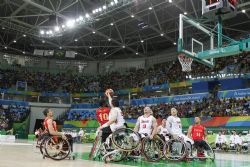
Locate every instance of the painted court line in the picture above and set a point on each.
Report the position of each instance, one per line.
(16, 144)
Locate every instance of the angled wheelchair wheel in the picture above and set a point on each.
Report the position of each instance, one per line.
(125, 139)
(42, 146)
(152, 149)
(175, 150)
(210, 153)
(115, 156)
(57, 148)
(41, 143)
(95, 148)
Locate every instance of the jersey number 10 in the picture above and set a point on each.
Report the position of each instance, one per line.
(104, 117)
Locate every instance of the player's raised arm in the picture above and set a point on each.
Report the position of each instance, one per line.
(137, 125)
(108, 94)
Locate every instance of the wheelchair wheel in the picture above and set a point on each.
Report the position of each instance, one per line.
(115, 156)
(95, 148)
(41, 143)
(152, 149)
(210, 153)
(42, 146)
(175, 150)
(125, 139)
(57, 148)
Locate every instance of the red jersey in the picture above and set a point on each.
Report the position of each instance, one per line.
(46, 126)
(198, 132)
(102, 115)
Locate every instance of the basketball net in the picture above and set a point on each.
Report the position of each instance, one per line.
(186, 62)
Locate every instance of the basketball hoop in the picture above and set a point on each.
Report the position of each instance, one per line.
(186, 62)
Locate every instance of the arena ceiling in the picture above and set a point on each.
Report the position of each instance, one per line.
(130, 28)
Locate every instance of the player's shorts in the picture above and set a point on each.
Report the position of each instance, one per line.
(201, 144)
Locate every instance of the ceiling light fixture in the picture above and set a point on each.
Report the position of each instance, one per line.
(81, 18)
(57, 28)
(70, 23)
(42, 32)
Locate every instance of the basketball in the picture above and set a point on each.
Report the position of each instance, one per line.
(109, 91)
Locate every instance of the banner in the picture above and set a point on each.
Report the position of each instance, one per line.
(48, 52)
(38, 52)
(239, 93)
(180, 84)
(3, 90)
(219, 122)
(54, 94)
(85, 106)
(169, 99)
(70, 54)
(154, 88)
(12, 102)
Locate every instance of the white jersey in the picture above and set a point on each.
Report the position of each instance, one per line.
(235, 139)
(145, 125)
(163, 131)
(248, 137)
(175, 125)
(119, 120)
(220, 139)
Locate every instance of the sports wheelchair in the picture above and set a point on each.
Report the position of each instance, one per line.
(125, 143)
(178, 150)
(55, 147)
(243, 147)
